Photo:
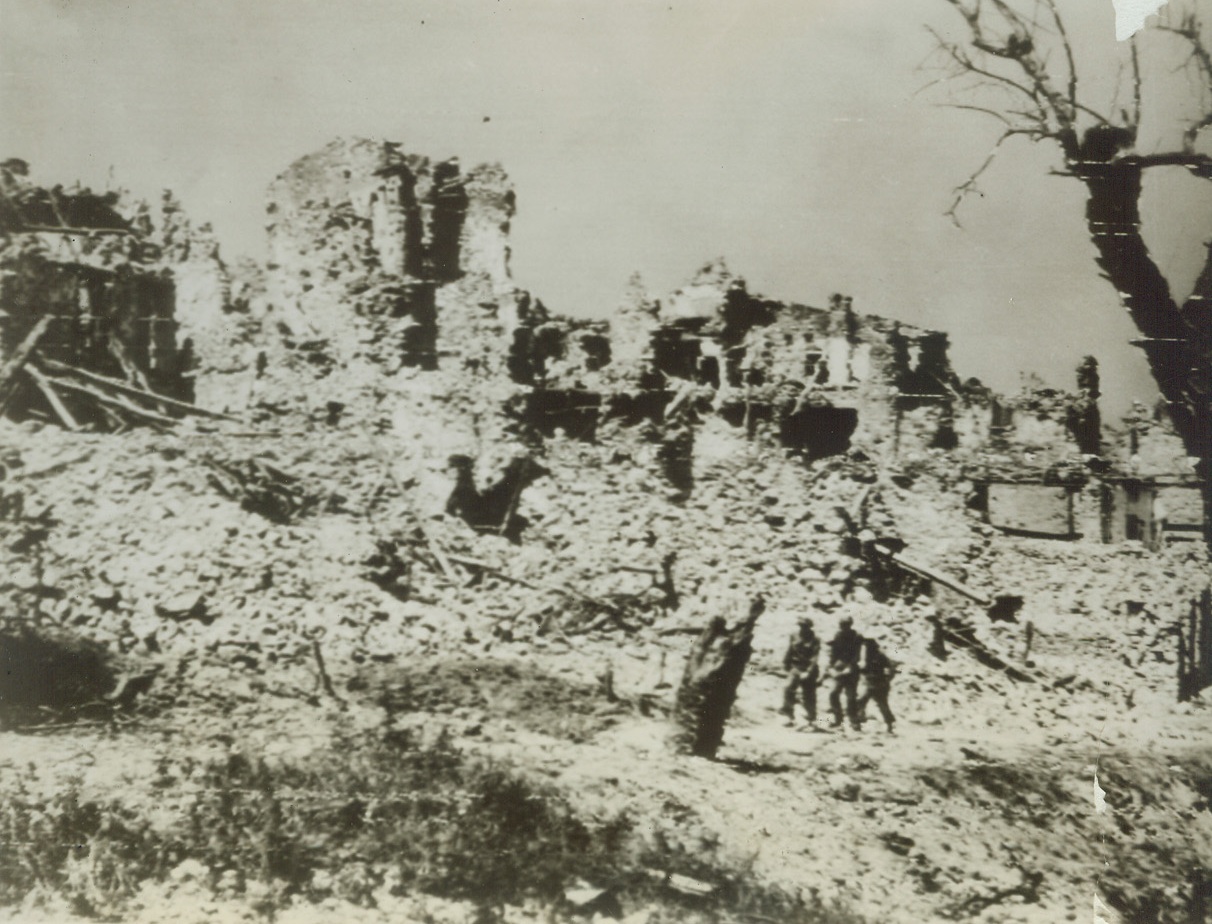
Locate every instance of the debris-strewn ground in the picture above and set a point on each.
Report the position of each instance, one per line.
(329, 693)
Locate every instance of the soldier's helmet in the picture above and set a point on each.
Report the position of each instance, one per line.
(806, 623)
(846, 622)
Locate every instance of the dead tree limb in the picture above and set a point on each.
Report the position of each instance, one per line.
(709, 683)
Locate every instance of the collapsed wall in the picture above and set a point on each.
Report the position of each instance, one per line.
(374, 250)
(362, 226)
(84, 288)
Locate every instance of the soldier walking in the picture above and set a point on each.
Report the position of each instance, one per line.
(801, 661)
(844, 652)
(876, 671)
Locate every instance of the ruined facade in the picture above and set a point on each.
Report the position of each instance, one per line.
(383, 258)
(112, 322)
(83, 290)
(366, 224)
(419, 249)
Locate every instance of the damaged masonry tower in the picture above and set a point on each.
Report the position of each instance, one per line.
(361, 223)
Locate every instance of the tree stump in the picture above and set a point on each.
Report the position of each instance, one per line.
(709, 684)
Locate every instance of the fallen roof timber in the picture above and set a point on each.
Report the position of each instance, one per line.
(128, 389)
(15, 363)
(117, 402)
(44, 385)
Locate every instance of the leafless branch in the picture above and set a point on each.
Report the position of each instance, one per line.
(1192, 133)
(1135, 85)
(1020, 48)
(969, 185)
(1190, 29)
(1001, 117)
(969, 66)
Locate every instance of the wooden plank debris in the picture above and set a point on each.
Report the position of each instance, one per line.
(962, 635)
(1003, 607)
(116, 402)
(134, 392)
(932, 574)
(14, 364)
(52, 397)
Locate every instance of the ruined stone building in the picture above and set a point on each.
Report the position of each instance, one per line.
(386, 260)
(384, 256)
(71, 260)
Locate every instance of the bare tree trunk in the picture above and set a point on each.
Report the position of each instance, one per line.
(1024, 50)
(1177, 339)
(709, 684)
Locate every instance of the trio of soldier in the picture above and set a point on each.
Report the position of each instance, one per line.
(859, 671)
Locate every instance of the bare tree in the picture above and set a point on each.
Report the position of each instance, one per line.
(1016, 64)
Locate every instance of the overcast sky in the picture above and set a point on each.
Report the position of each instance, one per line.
(792, 137)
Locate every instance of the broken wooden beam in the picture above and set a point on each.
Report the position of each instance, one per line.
(962, 636)
(133, 391)
(52, 397)
(116, 403)
(322, 670)
(14, 364)
(133, 373)
(1002, 608)
(65, 229)
(934, 575)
